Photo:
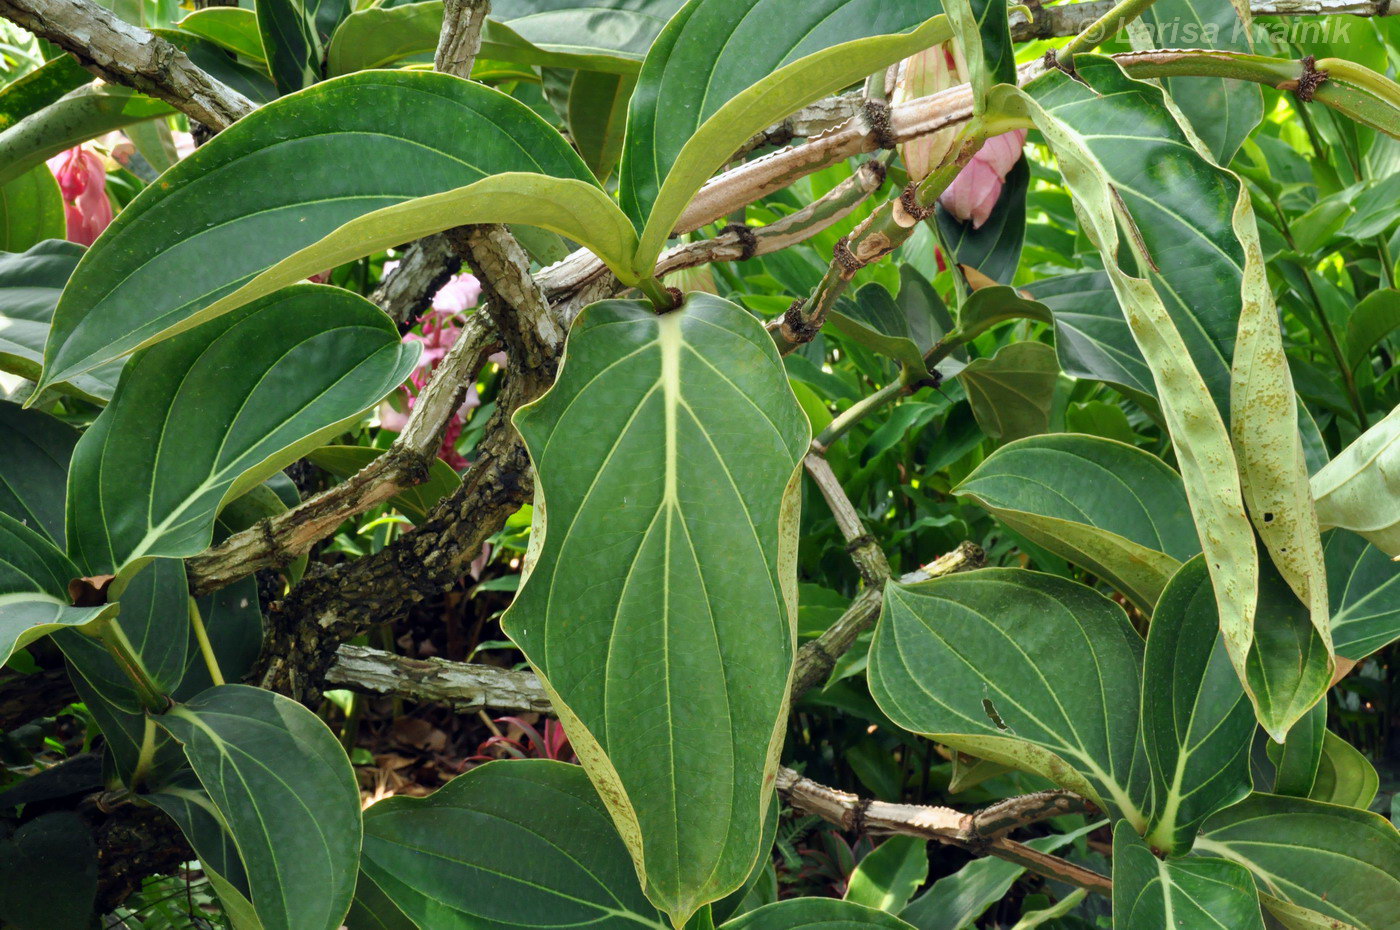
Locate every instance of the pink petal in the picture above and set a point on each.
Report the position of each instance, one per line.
(460, 292)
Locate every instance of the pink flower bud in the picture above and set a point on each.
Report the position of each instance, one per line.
(975, 190)
(83, 182)
(928, 72)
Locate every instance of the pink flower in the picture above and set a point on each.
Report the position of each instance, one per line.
(975, 190)
(440, 329)
(83, 182)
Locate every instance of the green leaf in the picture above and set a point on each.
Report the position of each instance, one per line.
(1358, 490)
(992, 306)
(34, 578)
(1092, 337)
(1344, 775)
(398, 155)
(508, 844)
(379, 36)
(1182, 292)
(1339, 861)
(1111, 508)
(416, 502)
(815, 914)
(723, 70)
(1196, 721)
(372, 909)
(956, 900)
(1011, 392)
(1374, 318)
(31, 210)
(50, 868)
(229, 27)
(1029, 670)
(984, 36)
(190, 806)
(597, 116)
(903, 328)
(593, 35)
(77, 116)
(249, 80)
(34, 470)
(200, 418)
(662, 584)
(30, 283)
(889, 875)
(1289, 666)
(283, 788)
(1222, 112)
(1198, 892)
(291, 46)
(40, 87)
(1364, 591)
(1297, 760)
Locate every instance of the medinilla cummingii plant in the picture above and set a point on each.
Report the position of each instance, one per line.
(971, 430)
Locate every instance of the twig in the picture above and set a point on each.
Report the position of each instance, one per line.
(460, 39)
(463, 686)
(864, 551)
(119, 52)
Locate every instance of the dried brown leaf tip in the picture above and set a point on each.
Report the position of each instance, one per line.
(90, 591)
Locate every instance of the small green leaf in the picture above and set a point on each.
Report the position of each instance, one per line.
(1011, 392)
(1297, 760)
(1029, 670)
(1344, 775)
(31, 210)
(815, 914)
(597, 116)
(1358, 490)
(903, 328)
(34, 578)
(40, 87)
(1374, 318)
(202, 417)
(889, 875)
(378, 36)
(283, 788)
(397, 155)
(723, 70)
(416, 502)
(229, 27)
(1339, 861)
(1114, 509)
(984, 35)
(1289, 666)
(1197, 892)
(1196, 721)
(508, 844)
(1364, 591)
(662, 581)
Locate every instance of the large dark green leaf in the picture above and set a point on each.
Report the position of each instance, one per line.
(34, 599)
(1364, 591)
(30, 283)
(663, 585)
(202, 417)
(1196, 721)
(1222, 112)
(31, 209)
(722, 70)
(903, 328)
(1336, 860)
(1198, 892)
(1113, 509)
(34, 470)
(342, 169)
(284, 790)
(1011, 392)
(1017, 667)
(509, 844)
(815, 914)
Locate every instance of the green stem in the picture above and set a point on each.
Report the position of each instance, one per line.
(206, 649)
(148, 753)
(1059, 909)
(152, 697)
(853, 414)
(656, 292)
(1104, 28)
